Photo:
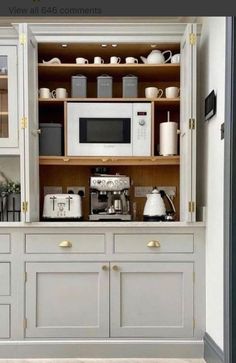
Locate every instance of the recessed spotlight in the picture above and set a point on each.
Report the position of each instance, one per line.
(153, 45)
(114, 45)
(104, 45)
(64, 45)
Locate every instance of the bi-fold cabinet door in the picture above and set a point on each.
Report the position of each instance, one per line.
(67, 299)
(152, 299)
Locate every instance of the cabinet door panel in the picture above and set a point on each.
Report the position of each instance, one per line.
(188, 134)
(152, 300)
(4, 278)
(28, 80)
(67, 300)
(4, 321)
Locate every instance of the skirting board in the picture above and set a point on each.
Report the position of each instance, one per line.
(102, 349)
(212, 353)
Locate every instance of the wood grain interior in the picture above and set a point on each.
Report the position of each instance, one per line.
(66, 176)
(4, 126)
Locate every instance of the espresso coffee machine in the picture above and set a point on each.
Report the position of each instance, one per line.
(109, 197)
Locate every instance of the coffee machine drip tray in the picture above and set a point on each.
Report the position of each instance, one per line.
(110, 217)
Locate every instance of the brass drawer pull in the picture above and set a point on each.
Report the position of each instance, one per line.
(155, 244)
(65, 244)
(115, 268)
(104, 267)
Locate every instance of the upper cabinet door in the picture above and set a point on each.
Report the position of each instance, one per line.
(8, 97)
(28, 79)
(188, 125)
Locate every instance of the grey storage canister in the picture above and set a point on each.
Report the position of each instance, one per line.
(129, 86)
(50, 140)
(79, 86)
(104, 86)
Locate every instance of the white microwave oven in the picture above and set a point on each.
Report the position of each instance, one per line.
(108, 129)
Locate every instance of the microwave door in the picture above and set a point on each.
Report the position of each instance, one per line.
(105, 136)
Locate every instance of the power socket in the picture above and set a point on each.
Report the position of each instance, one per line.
(76, 189)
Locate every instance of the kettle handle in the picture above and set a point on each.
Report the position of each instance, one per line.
(163, 194)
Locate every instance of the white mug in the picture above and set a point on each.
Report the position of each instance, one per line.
(130, 60)
(44, 93)
(59, 93)
(175, 58)
(81, 60)
(98, 60)
(115, 59)
(153, 92)
(172, 92)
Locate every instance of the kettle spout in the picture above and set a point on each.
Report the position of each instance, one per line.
(143, 59)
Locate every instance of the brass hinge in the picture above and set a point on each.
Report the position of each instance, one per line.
(192, 38)
(194, 276)
(23, 122)
(194, 323)
(25, 323)
(24, 207)
(191, 124)
(191, 207)
(25, 276)
(22, 39)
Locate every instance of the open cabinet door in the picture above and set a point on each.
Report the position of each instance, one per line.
(28, 82)
(188, 125)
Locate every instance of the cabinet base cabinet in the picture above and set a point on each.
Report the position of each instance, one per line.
(152, 300)
(67, 300)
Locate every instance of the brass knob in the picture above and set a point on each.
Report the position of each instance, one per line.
(65, 244)
(104, 267)
(152, 244)
(66, 159)
(104, 160)
(39, 131)
(115, 268)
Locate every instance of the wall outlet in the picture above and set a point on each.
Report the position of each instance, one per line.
(76, 189)
(140, 192)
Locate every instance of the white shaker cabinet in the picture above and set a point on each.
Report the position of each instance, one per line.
(67, 300)
(8, 100)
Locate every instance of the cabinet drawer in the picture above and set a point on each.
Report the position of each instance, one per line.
(5, 321)
(65, 243)
(4, 279)
(4, 243)
(153, 243)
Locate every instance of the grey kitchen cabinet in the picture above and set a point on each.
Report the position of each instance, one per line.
(4, 321)
(152, 299)
(67, 299)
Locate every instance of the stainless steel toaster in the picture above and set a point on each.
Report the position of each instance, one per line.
(62, 206)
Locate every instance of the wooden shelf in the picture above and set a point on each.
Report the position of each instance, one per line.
(165, 72)
(164, 101)
(119, 160)
(3, 113)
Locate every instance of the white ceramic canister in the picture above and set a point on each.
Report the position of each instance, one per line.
(168, 138)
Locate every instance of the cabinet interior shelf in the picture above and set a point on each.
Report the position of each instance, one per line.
(119, 160)
(165, 72)
(3, 113)
(164, 101)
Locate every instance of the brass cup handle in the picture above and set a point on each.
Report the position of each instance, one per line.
(115, 268)
(104, 267)
(152, 244)
(65, 244)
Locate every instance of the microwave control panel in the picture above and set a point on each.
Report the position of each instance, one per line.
(141, 129)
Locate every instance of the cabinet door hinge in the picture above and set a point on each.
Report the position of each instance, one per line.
(191, 124)
(25, 276)
(24, 207)
(191, 207)
(192, 38)
(25, 323)
(22, 39)
(23, 123)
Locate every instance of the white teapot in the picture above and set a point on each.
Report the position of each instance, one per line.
(157, 57)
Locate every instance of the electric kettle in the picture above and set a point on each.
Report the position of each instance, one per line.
(155, 209)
